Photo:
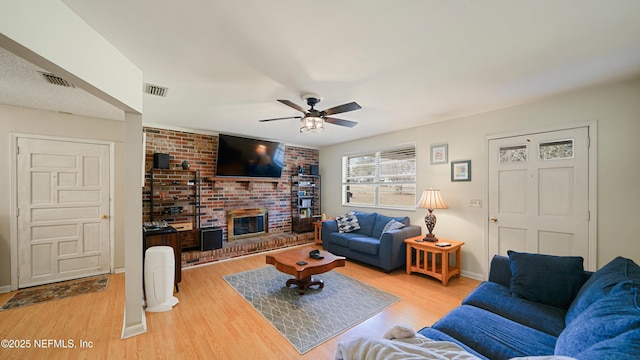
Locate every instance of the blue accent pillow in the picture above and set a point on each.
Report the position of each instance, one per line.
(392, 225)
(612, 319)
(381, 222)
(600, 284)
(347, 222)
(548, 279)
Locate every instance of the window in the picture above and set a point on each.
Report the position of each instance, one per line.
(385, 178)
(556, 150)
(517, 153)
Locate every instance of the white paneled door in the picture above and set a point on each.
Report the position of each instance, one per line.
(539, 194)
(63, 210)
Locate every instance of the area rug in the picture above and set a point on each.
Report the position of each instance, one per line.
(308, 320)
(56, 291)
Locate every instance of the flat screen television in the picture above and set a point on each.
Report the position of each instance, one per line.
(244, 157)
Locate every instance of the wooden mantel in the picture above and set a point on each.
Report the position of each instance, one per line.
(278, 183)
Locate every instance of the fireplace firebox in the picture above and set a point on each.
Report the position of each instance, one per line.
(244, 223)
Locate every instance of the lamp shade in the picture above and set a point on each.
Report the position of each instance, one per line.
(432, 199)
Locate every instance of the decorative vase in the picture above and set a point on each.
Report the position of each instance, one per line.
(185, 165)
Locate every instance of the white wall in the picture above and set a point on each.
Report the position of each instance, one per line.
(615, 107)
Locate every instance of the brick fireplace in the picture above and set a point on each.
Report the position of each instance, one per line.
(218, 196)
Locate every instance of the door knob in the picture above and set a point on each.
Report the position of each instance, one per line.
(493, 219)
(105, 216)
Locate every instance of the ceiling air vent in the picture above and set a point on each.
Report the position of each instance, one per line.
(56, 80)
(155, 90)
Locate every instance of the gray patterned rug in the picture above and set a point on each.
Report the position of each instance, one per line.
(309, 320)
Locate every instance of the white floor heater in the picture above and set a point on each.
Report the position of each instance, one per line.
(159, 272)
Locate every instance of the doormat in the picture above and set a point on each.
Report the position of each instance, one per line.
(308, 320)
(40, 294)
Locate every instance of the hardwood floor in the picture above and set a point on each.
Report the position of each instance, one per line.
(211, 321)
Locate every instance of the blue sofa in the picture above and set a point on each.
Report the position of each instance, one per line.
(369, 244)
(542, 305)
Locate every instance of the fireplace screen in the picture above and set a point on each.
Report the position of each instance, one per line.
(248, 225)
(244, 223)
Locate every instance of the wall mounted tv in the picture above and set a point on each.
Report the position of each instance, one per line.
(244, 157)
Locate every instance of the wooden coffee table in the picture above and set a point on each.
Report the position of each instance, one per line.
(285, 261)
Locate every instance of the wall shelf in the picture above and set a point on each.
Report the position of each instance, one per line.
(305, 202)
(176, 187)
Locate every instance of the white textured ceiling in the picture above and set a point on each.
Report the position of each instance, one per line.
(22, 84)
(407, 63)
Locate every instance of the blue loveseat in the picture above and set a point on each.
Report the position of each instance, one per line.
(542, 305)
(370, 244)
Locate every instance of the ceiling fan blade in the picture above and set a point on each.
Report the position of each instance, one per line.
(342, 108)
(347, 123)
(282, 118)
(293, 105)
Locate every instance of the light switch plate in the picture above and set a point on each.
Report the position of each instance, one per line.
(475, 203)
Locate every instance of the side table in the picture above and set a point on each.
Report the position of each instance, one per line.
(433, 260)
(317, 235)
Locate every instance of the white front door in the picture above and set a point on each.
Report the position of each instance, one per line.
(63, 210)
(539, 194)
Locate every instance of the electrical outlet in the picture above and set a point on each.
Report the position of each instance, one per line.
(475, 203)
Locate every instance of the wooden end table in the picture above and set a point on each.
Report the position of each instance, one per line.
(427, 255)
(286, 262)
(317, 232)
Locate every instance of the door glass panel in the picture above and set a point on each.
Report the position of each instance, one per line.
(517, 153)
(556, 150)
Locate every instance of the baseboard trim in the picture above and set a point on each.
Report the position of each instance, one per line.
(5, 289)
(119, 270)
(133, 330)
(472, 275)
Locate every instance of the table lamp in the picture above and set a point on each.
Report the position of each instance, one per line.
(431, 199)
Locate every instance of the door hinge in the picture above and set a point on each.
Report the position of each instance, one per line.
(17, 150)
(17, 212)
(588, 215)
(588, 142)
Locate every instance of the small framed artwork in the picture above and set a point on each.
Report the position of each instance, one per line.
(439, 154)
(461, 170)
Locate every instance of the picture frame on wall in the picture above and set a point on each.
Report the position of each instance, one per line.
(461, 170)
(439, 154)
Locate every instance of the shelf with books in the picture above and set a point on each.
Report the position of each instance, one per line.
(305, 202)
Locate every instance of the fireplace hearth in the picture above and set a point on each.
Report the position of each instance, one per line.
(244, 223)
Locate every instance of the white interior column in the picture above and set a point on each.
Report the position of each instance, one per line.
(134, 318)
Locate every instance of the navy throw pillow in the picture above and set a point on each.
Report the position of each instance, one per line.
(548, 279)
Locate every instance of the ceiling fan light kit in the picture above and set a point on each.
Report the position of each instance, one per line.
(313, 120)
(311, 124)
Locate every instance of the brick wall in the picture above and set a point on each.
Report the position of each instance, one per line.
(221, 195)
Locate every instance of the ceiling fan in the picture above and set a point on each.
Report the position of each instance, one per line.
(313, 120)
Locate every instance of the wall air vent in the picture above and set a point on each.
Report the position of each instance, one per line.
(56, 80)
(155, 90)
